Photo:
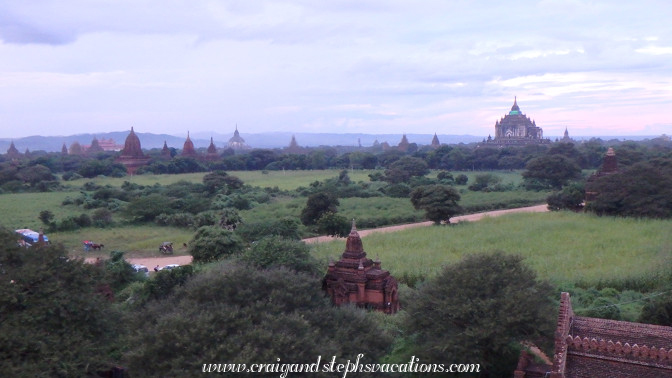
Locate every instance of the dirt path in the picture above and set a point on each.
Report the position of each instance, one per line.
(461, 218)
(151, 262)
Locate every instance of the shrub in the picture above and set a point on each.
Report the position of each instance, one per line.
(212, 243)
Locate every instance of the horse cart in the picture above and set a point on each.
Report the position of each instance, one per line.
(166, 248)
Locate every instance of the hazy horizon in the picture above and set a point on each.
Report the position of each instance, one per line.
(370, 66)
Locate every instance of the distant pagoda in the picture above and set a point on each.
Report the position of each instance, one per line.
(403, 145)
(12, 152)
(517, 129)
(435, 142)
(165, 152)
(188, 148)
(94, 148)
(64, 150)
(237, 142)
(211, 153)
(131, 156)
(76, 149)
(294, 147)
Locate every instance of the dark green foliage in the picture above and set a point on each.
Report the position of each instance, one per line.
(162, 283)
(93, 167)
(46, 217)
(54, 322)
(316, 205)
(212, 243)
(276, 251)
(146, 208)
(333, 225)
(438, 201)
(552, 171)
(486, 182)
(603, 308)
(658, 311)
(445, 177)
(403, 169)
(118, 272)
(477, 310)
(229, 219)
(398, 190)
(642, 190)
(287, 227)
(221, 182)
(461, 179)
(102, 217)
(569, 198)
(238, 314)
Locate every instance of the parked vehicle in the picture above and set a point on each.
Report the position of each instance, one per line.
(141, 268)
(30, 237)
(170, 266)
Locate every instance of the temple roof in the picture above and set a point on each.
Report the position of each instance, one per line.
(132, 146)
(188, 148)
(211, 148)
(515, 109)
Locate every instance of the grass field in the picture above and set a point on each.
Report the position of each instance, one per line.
(562, 247)
(284, 180)
(136, 241)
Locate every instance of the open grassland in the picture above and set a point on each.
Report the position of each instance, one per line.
(284, 180)
(136, 241)
(22, 210)
(562, 247)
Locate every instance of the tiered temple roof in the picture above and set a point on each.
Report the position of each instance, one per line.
(403, 145)
(12, 152)
(212, 151)
(188, 148)
(435, 142)
(517, 129)
(360, 280)
(95, 147)
(132, 156)
(237, 142)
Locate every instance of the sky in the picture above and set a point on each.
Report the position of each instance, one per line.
(597, 68)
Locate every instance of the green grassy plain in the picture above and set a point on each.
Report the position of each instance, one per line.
(284, 180)
(562, 247)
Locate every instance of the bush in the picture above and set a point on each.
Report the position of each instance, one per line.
(461, 179)
(276, 251)
(333, 225)
(212, 243)
(287, 227)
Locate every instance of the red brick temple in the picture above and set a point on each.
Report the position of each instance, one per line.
(360, 280)
(165, 151)
(602, 348)
(131, 156)
(188, 148)
(212, 151)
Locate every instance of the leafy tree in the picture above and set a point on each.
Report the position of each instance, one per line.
(316, 205)
(146, 208)
(276, 251)
(221, 181)
(657, 311)
(243, 315)
(229, 219)
(46, 217)
(438, 201)
(478, 309)
(485, 182)
(403, 169)
(461, 179)
(54, 321)
(552, 171)
(287, 227)
(569, 198)
(641, 190)
(212, 243)
(35, 174)
(333, 225)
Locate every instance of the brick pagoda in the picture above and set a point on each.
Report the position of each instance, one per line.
(360, 280)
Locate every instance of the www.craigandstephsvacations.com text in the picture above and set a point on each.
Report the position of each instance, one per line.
(285, 369)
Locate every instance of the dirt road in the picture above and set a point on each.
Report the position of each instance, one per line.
(151, 262)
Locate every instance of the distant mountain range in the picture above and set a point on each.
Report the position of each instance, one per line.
(261, 140)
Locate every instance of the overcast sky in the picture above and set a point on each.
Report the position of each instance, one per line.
(371, 66)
